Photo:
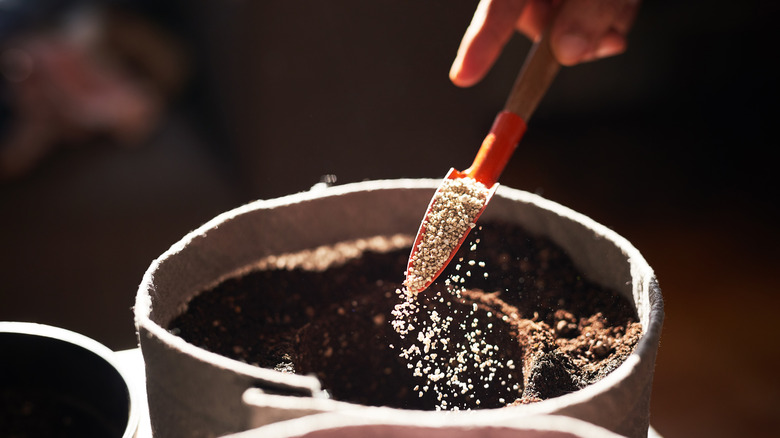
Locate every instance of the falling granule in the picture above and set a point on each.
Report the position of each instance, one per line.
(454, 208)
(445, 365)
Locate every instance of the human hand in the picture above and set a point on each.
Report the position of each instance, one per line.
(582, 30)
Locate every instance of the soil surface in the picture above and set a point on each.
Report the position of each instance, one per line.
(545, 329)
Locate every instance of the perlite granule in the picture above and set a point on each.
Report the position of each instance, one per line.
(455, 206)
(445, 366)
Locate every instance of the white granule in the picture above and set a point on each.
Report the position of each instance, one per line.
(455, 206)
(439, 361)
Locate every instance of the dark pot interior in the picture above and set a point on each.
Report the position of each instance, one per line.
(54, 387)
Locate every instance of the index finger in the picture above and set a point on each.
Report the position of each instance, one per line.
(491, 28)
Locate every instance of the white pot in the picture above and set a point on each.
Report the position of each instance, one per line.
(193, 392)
(60, 383)
(353, 425)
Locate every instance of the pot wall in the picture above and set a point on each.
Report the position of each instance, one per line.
(350, 425)
(196, 393)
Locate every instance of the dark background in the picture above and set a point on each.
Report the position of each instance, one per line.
(668, 144)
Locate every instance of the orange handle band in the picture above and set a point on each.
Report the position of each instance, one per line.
(497, 148)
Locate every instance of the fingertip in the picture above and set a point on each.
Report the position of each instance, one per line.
(575, 48)
(612, 44)
(454, 74)
(468, 68)
(461, 80)
(571, 48)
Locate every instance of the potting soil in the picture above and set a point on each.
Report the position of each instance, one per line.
(510, 321)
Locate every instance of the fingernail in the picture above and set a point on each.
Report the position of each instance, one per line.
(572, 47)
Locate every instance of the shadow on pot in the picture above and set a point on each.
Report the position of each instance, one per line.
(57, 383)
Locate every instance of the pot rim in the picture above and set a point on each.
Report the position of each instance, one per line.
(645, 289)
(91, 345)
(329, 423)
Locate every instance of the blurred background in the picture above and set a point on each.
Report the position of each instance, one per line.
(126, 124)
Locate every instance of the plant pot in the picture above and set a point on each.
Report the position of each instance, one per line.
(55, 382)
(193, 392)
(346, 425)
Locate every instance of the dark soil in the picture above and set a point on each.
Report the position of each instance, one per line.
(562, 331)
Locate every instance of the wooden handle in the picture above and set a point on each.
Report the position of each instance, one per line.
(534, 79)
